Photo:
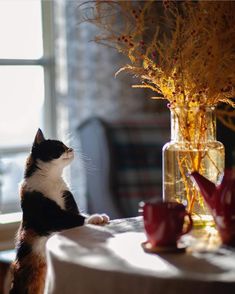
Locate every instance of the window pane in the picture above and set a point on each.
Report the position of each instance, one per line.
(21, 103)
(20, 29)
(11, 173)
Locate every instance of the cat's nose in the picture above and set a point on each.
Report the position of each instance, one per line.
(70, 150)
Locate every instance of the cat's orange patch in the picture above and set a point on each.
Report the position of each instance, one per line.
(29, 274)
(37, 283)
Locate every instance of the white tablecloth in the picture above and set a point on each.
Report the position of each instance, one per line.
(110, 260)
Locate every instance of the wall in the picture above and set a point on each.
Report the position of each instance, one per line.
(86, 85)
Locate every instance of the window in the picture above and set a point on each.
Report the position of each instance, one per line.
(26, 88)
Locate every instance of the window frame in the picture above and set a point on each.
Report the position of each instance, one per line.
(10, 222)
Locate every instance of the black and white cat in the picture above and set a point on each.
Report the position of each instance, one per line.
(48, 206)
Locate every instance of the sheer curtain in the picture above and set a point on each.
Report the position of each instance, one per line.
(86, 84)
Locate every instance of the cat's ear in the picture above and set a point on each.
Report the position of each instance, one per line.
(39, 138)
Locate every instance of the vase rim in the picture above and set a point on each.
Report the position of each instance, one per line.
(198, 107)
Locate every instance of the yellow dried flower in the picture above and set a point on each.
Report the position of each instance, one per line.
(183, 51)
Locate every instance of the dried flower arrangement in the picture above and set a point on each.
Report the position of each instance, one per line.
(185, 55)
(184, 51)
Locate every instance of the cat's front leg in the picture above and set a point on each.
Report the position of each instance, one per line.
(97, 219)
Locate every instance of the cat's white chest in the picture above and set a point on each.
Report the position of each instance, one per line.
(52, 189)
(55, 190)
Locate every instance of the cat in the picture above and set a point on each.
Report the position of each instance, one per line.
(48, 206)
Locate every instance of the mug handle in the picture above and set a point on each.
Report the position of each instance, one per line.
(190, 225)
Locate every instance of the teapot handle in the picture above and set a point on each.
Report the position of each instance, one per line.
(190, 224)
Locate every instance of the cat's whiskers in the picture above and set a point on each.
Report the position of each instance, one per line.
(86, 162)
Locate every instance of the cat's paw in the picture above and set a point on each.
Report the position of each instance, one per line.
(98, 219)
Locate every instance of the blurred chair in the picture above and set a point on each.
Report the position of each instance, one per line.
(127, 155)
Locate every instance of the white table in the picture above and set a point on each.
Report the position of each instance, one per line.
(109, 259)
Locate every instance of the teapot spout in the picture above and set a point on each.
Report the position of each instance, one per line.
(206, 187)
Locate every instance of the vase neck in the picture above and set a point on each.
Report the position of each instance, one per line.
(193, 125)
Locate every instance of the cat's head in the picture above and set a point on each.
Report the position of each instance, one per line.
(50, 151)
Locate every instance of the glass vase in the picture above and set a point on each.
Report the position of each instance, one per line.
(193, 147)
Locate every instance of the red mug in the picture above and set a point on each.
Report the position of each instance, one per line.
(164, 222)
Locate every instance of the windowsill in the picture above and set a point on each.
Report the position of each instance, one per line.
(10, 218)
(9, 224)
